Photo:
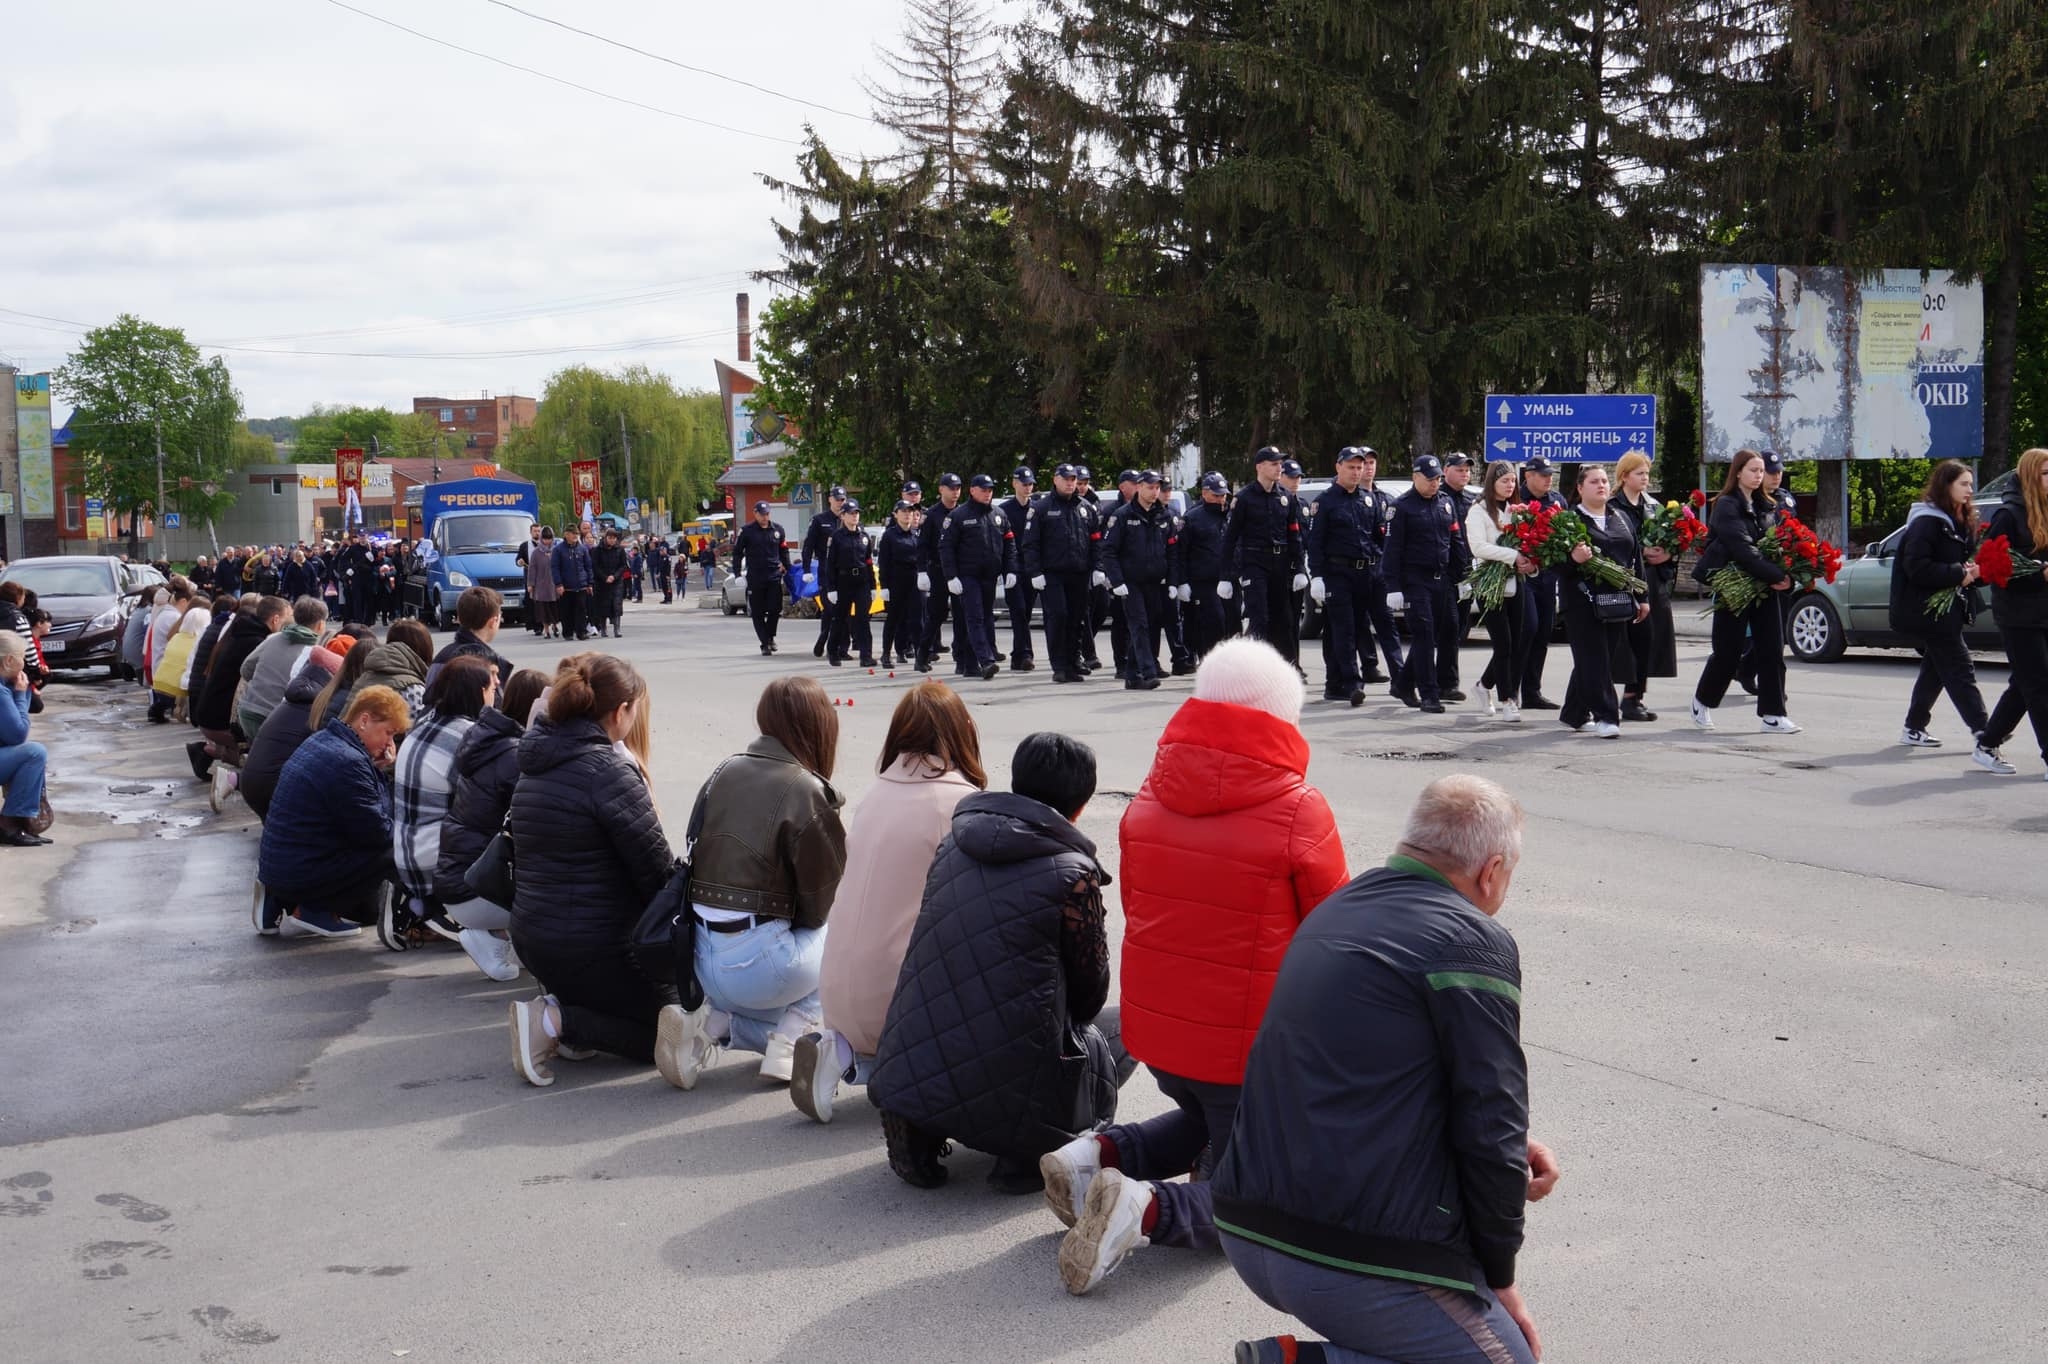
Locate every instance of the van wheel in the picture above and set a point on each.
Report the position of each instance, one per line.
(1815, 630)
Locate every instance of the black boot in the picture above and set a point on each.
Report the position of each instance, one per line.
(913, 1153)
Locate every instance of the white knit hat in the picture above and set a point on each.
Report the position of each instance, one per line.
(1250, 672)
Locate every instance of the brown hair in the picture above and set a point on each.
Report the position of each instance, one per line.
(477, 607)
(2033, 498)
(1743, 459)
(795, 712)
(1940, 492)
(1495, 471)
(458, 688)
(516, 699)
(594, 685)
(931, 722)
(353, 665)
(383, 704)
(414, 636)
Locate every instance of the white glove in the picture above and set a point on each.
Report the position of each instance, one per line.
(955, 586)
(832, 597)
(1120, 590)
(1226, 589)
(924, 582)
(810, 575)
(1184, 592)
(1009, 581)
(1101, 579)
(1464, 592)
(1318, 590)
(1038, 583)
(885, 596)
(1396, 602)
(1300, 581)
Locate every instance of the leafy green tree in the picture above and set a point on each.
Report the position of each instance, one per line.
(324, 429)
(677, 437)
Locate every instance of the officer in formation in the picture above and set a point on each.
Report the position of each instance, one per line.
(1059, 540)
(896, 560)
(1142, 560)
(813, 553)
(1419, 571)
(761, 557)
(978, 554)
(1539, 489)
(1016, 508)
(1262, 544)
(1098, 585)
(1347, 538)
(930, 579)
(849, 587)
(1457, 491)
(1209, 617)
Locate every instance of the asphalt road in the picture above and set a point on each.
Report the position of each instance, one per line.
(1784, 1009)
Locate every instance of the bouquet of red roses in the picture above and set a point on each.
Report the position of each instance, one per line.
(1673, 528)
(1996, 564)
(1489, 578)
(1792, 546)
(1550, 534)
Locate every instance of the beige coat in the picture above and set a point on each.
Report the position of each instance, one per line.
(889, 849)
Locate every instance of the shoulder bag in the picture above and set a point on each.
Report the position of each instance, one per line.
(664, 945)
(490, 876)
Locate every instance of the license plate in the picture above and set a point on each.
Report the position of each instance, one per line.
(514, 598)
(53, 646)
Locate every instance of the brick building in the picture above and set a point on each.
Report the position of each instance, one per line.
(482, 421)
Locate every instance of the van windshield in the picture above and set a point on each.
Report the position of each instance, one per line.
(482, 533)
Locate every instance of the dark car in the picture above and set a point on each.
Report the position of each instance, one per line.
(89, 598)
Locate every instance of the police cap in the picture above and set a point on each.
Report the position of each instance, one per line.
(1127, 476)
(1022, 474)
(1428, 466)
(852, 505)
(949, 480)
(1066, 471)
(1774, 463)
(1269, 454)
(1150, 476)
(910, 488)
(761, 508)
(1536, 464)
(1357, 452)
(982, 481)
(1213, 482)
(1290, 468)
(904, 506)
(837, 491)
(1081, 472)
(1457, 460)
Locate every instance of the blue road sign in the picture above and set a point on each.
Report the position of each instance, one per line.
(173, 521)
(632, 506)
(801, 495)
(1570, 428)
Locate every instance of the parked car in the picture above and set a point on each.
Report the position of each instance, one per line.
(89, 598)
(732, 589)
(1854, 611)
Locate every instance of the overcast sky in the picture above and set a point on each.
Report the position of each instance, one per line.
(287, 175)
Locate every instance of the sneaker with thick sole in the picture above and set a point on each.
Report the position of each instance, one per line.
(1111, 1226)
(225, 781)
(1271, 1350)
(1917, 738)
(493, 955)
(778, 1063)
(1068, 1172)
(681, 1047)
(265, 911)
(1606, 730)
(814, 1074)
(1510, 713)
(1486, 702)
(532, 1048)
(311, 923)
(1778, 724)
(915, 1155)
(1991, 761)
(1702, 718)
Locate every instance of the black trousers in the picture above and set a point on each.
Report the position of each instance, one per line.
(2026, 690)
(576, 613)
(1021, 599)
(1347, 624)
(1507, 628)
(1176, 631)
(1098, 613)
(606, 1003)
(1428, 603)
(900, 623)
(764, 605)
(1065, 598)
(605, 606)
(1589, 694)
(1945, 666)
(1542, 619)
(1269, 604)
(1733, 636)
(1450, 634)
(850, 626)
(974, 642)
(936, 604)
(1207, 619)
(1144, 615)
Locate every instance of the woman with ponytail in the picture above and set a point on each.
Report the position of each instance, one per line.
(2021, 607)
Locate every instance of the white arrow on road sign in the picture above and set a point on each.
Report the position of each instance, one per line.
(1505, 413)
(1503, 444)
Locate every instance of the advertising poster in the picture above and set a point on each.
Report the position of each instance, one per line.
(32, 422)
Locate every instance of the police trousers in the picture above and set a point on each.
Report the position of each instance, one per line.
(1269, 603)
(1065, 598)
(1144, 613)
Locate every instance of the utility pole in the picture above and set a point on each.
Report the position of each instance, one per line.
(627, 441)
(157, 519)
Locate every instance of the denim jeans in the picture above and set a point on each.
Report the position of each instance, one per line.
(1371, 1320)
(1173, 1144)
(21, 772)
(760, 976)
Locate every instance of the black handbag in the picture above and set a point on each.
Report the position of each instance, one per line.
(1610, 608)
(664, 943)
(490, 876)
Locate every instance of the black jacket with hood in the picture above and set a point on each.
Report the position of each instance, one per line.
(486, 771)
(2024, 605)
(1930, 556)
(284, 729)
(224, 670)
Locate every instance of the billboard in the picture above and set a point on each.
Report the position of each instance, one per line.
(1817, 363)
(32, 424)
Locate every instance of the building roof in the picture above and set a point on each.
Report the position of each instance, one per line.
(421, 470)
(751, 473)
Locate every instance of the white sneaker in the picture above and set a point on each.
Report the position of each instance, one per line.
(1990, 761)
(1778, 724)
(492, 954)
(1585, 728)
(1510, 713)
(1486, 701)
(532, 1048)
(814, 1080)
(1603, 730)
(1702, 718)
(1918, 738)
(1068, 1174)
(1110, 1227)
(681, 1047)
(778, 1063)
(225, 780)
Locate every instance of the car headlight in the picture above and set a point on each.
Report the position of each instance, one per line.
(459, 579)
(105, 620)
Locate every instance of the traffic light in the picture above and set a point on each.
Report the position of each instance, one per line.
(727, 502)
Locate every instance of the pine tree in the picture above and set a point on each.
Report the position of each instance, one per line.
(942, 88)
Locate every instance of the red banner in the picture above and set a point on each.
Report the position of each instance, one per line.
(348, 473)
(586, 490)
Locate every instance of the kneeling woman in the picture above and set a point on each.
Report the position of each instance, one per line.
(764, 871)
(590, 855)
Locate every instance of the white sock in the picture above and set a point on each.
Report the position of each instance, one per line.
(717, 1025)
(842, 1052)
(548, 1024)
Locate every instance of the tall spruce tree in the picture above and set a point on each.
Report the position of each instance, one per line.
(941, 89)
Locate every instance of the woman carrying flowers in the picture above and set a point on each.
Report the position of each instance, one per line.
(1932, 574)
(1740, 517)
(1663, 530)
(2020, 603)
(1598, 615)
(1505, 612)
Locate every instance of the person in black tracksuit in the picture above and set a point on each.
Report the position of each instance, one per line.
(2021, 608)
(1935, 553)
(1540, 590)
(1058, 556)
(1016, 509)
(761, 556)
(1141, 555)
(1735, 524)
(849, 579)
(1418, 563)
(1262, 544)
(1119, 651)
(978, 554)
(931, 581)
(1601, 655)
(1206, 614)
(816, 538)
(896, 559)
(1346, 537)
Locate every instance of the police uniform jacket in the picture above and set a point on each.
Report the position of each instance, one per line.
(1460, 503)
(818, 536)
(1019, 515)
(758, 552)
(850, 557)
(1264, 530)
(1142, 547)
(935, 517)
(1419, 541)
(1060, 535)
(1201, 543)
(896, 555)
(1348, 528)
(977, 542)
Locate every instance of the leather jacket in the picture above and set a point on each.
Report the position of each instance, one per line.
(772, 844)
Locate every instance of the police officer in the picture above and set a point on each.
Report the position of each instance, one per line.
(1106, 608)
(912, 494)
(1419, 568)
(1262, 543)
(815, 540)
(1016, 509)
(977, 553)
(760, 555)
(1141, 556)
(849, 587)
(1457, 490)
(1783, 504)
(896, 557)
(1346, 537)
(1201, 540)
(1539, 490)
(1058, 556)
(930, 580)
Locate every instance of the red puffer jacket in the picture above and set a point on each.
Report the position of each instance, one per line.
(1225, 850)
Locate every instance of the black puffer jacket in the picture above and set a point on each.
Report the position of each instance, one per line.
(224, 670)
(284, 729)
(587, 848)
(979, 1044)
(486, 771)
(1735, 527)
(1930, 556)
(2024, 605)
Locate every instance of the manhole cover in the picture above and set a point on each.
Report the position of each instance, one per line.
(1395, 755)
(131, 788)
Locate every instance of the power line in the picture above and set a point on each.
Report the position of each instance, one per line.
(685, 66)
(559, 80)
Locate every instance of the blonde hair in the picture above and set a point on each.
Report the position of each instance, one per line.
(380, 703)
(1461, 822)
(1628, 464)
(2033, 498)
